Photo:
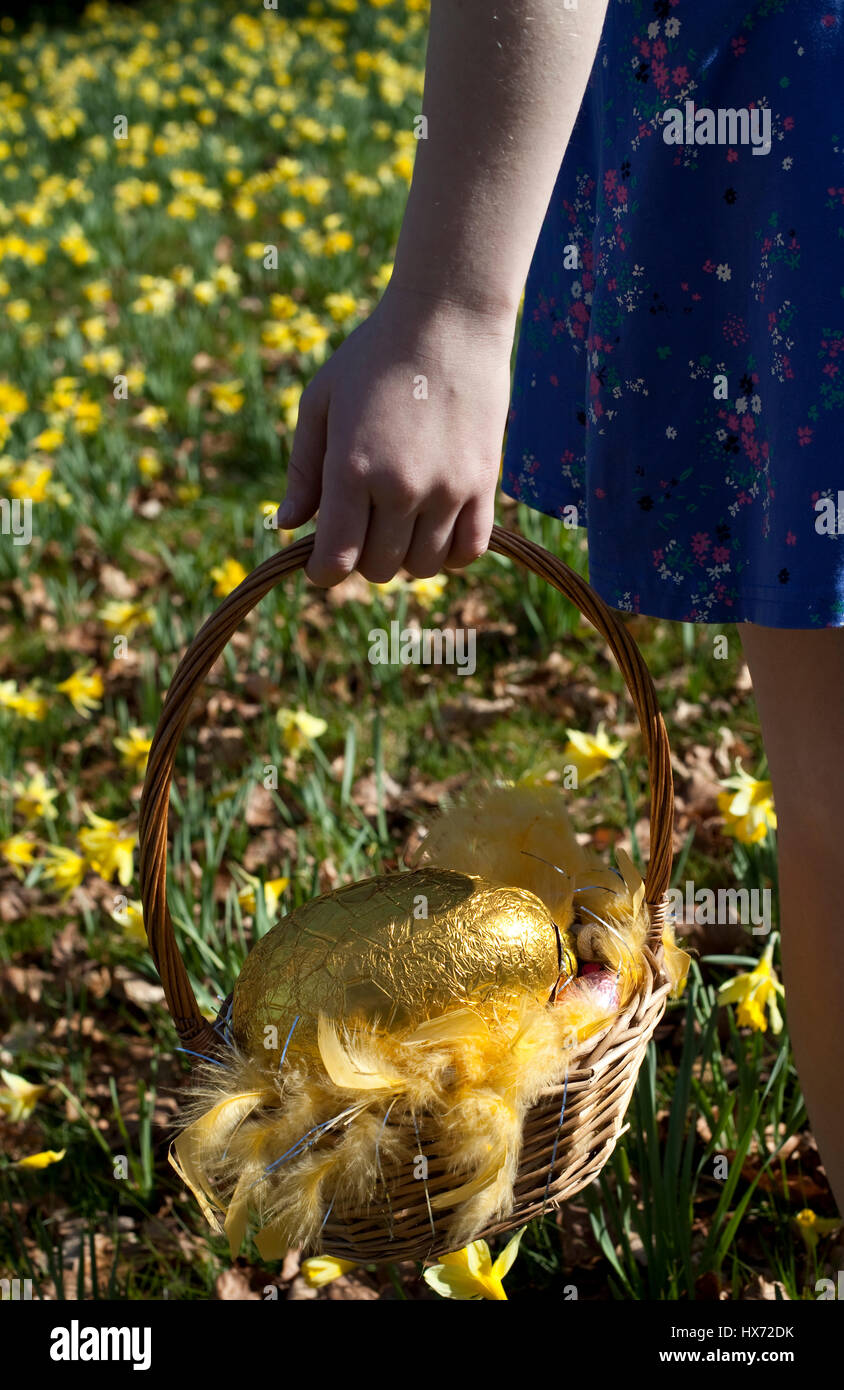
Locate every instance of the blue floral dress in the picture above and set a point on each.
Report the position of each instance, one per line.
(679, 375)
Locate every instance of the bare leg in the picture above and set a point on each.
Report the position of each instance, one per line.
(798, 681)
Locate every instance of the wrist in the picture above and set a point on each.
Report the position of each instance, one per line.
(482, 311)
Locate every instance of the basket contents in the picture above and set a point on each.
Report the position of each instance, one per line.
(457, 992)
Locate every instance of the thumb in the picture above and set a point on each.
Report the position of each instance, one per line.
(304, 471)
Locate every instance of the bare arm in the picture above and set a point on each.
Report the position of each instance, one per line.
(504, 80)
(399, 477)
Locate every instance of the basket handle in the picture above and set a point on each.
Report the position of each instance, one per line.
(204, 651)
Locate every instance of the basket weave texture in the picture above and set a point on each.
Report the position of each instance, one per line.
(571, 1131)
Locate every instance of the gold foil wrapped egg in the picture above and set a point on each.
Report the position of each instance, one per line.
(394, 951)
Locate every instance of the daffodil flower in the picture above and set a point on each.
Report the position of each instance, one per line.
(28, 703)
(41, 1160)
(125, 617)
(471, 1274)
(108, 848)
(747, 806)
(299, 728)
(812, 1227)
(18, 1097)
(227, 396)
(227, 576)
(273, 889)
(131, 919)
(63, 869)
(754, 992)
(19, 852)
(84, 689)
(428, 590)
(134, 748)
(34, 799)
(590, 753)
(322, 1269)
(389, 585)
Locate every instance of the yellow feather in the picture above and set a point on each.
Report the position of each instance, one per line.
(487, 832)
(194, 1182)
(209, 1135)
(632, 878)
(676, 961)
(272, 1242)
(237, 1214)
(461, 1023)
(350, 1072)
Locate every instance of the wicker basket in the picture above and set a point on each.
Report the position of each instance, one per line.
(571, 1131)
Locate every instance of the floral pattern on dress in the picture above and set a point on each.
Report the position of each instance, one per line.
(679, 374)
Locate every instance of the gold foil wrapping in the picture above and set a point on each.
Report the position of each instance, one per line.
(394, 951)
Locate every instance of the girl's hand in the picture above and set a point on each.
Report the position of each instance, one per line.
(398, 441)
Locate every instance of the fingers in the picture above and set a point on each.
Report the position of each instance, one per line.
(379, 537)
(471, 531)
(340, 533)
(430, 543)
(304, 471)
(388, 536)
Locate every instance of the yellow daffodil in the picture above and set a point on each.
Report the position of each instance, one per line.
(754, 992)
(97, 292)
(41, 1160)
(227, 576)
(293, 218)
(149, 464)
(13, 402)
(134, 748)
(812, 1227)
(94, 328)
(204, 291)
(225, 279)
(471, 1274)
(119, 615)
(152, 417)
(428, 590)
(299, 728)
(322, 1269)
(131, 919)
(32, 482)
(28, 704)
(341, 307)
(19, 852)
(48, 440)
(62, 869)
(87, 415)
(273, 889)
(18, 1097)
(748, 807)
(389, 585)
(589, 754)
(279, 336)
(84, 688)
(288, 398)
(109, 848)
(34, 799)
(269, 509)
(228, 396)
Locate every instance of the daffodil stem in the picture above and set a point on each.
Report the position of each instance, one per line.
(635, 855)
